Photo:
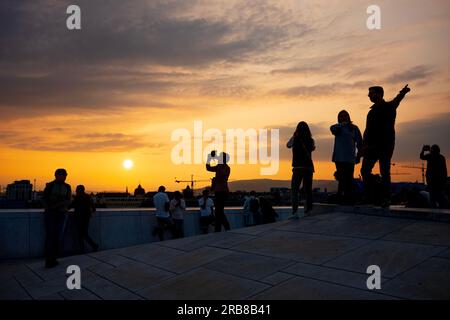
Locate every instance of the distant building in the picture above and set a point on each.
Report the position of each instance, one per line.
(117, 200)
(139, 191)
(19, 190)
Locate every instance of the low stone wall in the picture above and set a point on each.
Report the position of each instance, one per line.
(22, 232)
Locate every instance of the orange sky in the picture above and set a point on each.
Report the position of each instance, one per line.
(87, 100)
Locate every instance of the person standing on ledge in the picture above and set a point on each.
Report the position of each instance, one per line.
(84, 208)
(347, 138)
(220, 187)
(436, 175)
(57, 197)
(163, 220)
(379, 142)
(302, 145)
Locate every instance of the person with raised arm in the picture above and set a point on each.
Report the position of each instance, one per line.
(379, 142)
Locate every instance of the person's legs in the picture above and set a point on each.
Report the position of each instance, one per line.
(88, 238)
(307, 186)
(437, 196)
(256, 217)
(221, 218)
(54, 222)
(159, 229)
(295, 188)
(81, 232)
(347, 175)
(178, 228)
(203, 225)
(49, 237)
(339, 169)
(366, 173)
(385, 172)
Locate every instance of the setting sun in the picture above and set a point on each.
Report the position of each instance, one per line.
(128, 164)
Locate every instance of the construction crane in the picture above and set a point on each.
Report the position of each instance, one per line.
(422, 168)
(192, 181)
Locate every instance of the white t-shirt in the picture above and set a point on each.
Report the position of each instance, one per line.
(159, 200)
(208, 205)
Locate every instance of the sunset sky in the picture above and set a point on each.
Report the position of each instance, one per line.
(87, 100)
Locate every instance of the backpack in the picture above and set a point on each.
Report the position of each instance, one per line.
(254, 205)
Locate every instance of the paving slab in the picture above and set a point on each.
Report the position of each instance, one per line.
(302, 247)
(134, 276)
(249, 265)
(260, 229)
(221, 240)
(156, 253)
(107, 290)
(204, 284)
(81, 294)
(299, 288)
(342, 277)
(428, 280)
(444, 254)
(82, 261)
(190, 260)
(277, 278)
(392, 257)
(48, 288)
(349, 225)
(425, 232)
(11, 290)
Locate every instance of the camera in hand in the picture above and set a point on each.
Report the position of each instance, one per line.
(426, 147)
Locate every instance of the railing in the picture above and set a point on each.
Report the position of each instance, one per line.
(22, 232)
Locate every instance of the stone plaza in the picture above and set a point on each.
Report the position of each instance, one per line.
(322, 256)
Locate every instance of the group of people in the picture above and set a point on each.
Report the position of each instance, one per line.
(375, 145)
(170, 213)
(258, 210)
(57, 201)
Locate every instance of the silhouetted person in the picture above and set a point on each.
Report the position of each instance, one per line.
(347, 138)
(436, 175)
(206, 205)
(83, 208)
(57, 197)
(302, 145)
(269, 214)
(163, 220)
(379, 141)
(177, 210)
(220, 187)
(252, 208)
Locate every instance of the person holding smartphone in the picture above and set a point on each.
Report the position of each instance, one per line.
(436, 175)
(220, 187)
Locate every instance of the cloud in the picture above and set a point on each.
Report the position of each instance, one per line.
(70, 142)
(115, 60)
(321, 90)
(413, 74)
